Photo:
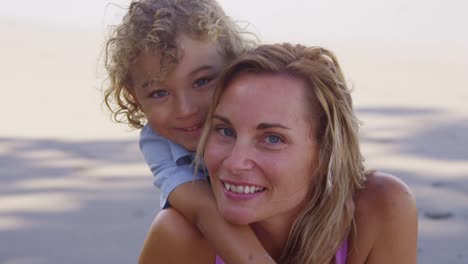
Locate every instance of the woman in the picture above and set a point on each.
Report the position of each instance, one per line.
(282, 151)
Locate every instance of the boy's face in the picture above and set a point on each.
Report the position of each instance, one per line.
(177, 106)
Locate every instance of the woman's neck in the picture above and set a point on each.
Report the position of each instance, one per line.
(273, 234)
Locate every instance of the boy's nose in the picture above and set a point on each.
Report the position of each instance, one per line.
(186, 107)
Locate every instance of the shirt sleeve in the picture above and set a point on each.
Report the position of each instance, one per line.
(169, 167)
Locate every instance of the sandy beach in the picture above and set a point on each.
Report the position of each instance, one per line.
(75, 189)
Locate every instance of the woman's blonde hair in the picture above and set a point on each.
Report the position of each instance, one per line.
(152, 26)
(327, 218)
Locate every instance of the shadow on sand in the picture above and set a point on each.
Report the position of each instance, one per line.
(445, 140)
(438, 143)
(73, 201)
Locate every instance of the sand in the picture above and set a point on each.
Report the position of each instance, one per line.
(74, 187)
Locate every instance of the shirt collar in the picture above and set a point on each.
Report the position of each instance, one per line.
(178, 151)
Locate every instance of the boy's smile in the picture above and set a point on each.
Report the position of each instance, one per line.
(176, 107)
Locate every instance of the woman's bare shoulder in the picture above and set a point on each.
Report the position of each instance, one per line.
(385, 194)
(169, 235)
(386, 220)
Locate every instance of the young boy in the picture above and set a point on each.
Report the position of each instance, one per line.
(163, 62)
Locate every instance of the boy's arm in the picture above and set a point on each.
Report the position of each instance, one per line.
(233, 243)
(162, 157)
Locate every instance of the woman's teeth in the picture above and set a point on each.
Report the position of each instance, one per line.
(242, 188)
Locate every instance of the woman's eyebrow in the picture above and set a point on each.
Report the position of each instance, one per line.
(222, 119)
(263, 126)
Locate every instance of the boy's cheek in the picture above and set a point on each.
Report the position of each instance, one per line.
(154, 127)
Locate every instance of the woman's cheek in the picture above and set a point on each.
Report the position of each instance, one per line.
(214, 154)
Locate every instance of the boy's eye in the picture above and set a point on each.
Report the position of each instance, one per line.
(273, 139)
(202, 81)
(159, 93)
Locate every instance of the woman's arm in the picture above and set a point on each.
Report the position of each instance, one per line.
(233, 243)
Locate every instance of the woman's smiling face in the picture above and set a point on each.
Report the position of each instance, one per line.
(262, 148)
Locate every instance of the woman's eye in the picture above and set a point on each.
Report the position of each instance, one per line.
(202, 81)
(272, 139)
(226, 132)
(160, 93)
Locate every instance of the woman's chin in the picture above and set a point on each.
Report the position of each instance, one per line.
(237, 217)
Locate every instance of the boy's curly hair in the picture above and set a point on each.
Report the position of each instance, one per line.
(152, 26)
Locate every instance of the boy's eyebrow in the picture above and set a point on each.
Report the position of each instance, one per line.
(150, 83)
(261, 126)
(201, 68)
(146, 83)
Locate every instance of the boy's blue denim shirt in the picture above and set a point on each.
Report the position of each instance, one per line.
(170, 163)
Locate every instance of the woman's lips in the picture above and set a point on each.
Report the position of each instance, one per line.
(242, 188)
(241, 191)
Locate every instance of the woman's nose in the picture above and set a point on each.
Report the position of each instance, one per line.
(240, 158)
